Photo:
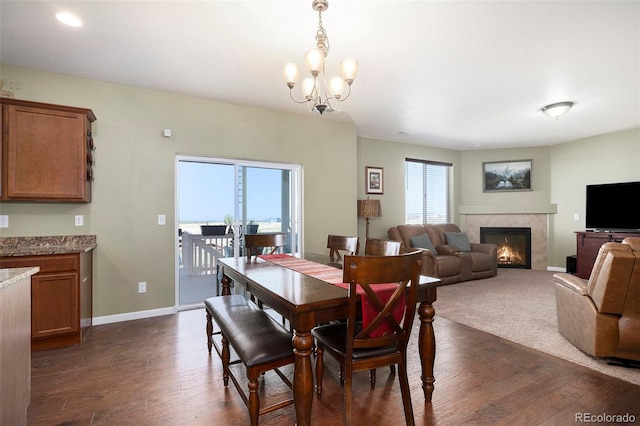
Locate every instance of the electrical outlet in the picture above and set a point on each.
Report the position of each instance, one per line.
(4, 221)
(79, 220)
(162, 219)
(142, 287)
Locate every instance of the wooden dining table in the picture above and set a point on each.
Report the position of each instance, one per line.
(307, 301)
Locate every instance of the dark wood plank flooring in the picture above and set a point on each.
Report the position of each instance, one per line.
(157, 372)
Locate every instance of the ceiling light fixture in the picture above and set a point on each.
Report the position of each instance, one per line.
(557, 110)
(68, 19)
(317, 93)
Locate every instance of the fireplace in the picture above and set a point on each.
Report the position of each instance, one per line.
(514, 245)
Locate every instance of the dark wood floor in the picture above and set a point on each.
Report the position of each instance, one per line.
(157, 372)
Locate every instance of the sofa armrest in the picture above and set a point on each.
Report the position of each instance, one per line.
(429, 262)
(573, 283)
(484, 248)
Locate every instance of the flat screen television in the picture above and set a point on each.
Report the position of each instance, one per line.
(613, 207)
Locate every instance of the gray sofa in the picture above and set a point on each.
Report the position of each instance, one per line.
(447, 252)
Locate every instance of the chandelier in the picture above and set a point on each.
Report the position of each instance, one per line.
(319, 94)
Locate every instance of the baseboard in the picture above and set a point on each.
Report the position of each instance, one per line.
(109, 319)
(556, 269)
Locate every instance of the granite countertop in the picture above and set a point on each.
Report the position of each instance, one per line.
(11, 276)
(36, 246)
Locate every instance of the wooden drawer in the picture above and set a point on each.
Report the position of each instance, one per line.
(50, 263)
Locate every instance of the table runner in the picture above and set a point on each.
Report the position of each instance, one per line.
(334, 276)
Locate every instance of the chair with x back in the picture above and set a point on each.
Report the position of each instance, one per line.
(376, 247)
(385, 288)
(338, 243)
(267, 243)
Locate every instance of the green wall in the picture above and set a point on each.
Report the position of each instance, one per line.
(391, 157)
(135, 177)
(609, 158)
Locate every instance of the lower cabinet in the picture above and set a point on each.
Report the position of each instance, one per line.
(61, 297)
(588, 245)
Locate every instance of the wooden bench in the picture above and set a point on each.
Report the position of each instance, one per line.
(259, 341)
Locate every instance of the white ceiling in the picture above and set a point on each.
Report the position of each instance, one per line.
(454, 74)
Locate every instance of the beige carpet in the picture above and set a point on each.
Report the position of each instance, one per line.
(519, 305)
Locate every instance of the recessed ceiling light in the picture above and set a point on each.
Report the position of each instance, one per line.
(69, 19)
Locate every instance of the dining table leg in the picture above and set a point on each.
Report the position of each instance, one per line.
(427, 343)
(302, 376)
(226, 285)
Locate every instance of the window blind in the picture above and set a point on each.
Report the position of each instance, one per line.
(427, 191)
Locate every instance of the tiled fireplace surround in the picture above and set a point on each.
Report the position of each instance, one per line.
(537, 222)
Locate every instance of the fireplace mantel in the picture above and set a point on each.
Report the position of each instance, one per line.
(508, 209)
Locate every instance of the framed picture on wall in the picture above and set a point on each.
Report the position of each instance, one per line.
(374, 180)
(505, 176)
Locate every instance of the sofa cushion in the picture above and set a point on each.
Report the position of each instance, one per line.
(423, 241)
(458, 239)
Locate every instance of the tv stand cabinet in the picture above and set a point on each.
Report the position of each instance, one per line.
(587, 247)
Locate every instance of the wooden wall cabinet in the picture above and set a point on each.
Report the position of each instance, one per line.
(61, 297)
(587, 246)
(47, 152)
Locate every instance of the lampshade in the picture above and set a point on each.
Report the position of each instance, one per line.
(557, 110)
(369, 208)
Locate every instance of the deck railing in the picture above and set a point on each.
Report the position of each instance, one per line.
(200, 252)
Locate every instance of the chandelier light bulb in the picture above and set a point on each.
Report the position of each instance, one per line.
(307, 87)
(290, 74)
(349, 70)
(336, 86)
(315, 61)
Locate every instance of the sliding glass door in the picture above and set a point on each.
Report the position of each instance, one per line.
(218, 201)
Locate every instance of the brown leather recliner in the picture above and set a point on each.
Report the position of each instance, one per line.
(601, 316)
(447, 261)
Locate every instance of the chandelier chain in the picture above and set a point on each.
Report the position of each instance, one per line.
(321, 36)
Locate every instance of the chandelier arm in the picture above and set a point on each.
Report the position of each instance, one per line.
(295, 100)
(348, 93)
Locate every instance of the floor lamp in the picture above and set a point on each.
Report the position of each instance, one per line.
(368, 209)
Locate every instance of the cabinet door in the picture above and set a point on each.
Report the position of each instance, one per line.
(44, 154)
(588, 246)
(54, 302)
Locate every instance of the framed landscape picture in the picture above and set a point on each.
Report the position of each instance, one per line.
(505, 176)
(374, 180)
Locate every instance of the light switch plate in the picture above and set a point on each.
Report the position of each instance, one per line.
(4, 221)
(162, 219)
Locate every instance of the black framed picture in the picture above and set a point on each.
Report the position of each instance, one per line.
(374, 180)
(505, 176)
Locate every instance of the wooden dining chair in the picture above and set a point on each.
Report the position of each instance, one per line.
(383, 340)
(376, 247)
(267, 243)
(338, 243)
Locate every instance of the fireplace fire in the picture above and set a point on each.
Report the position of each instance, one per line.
(514, 245)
